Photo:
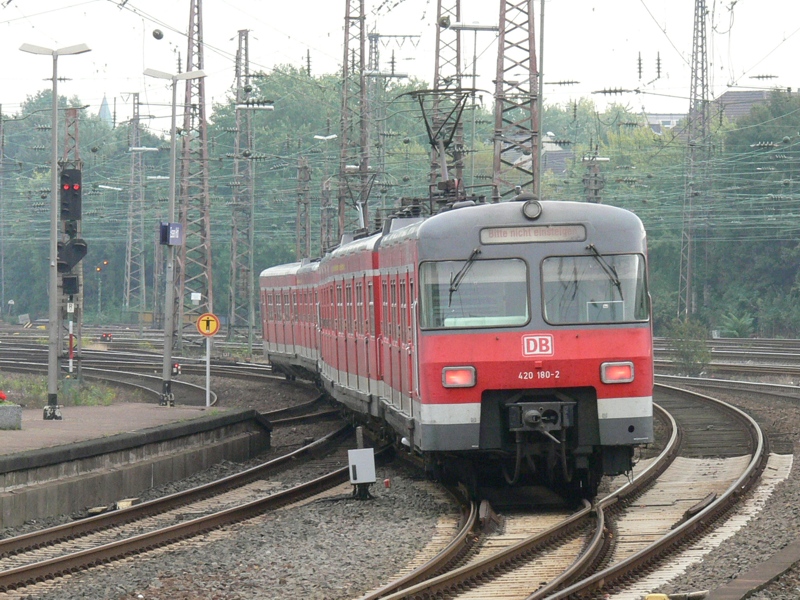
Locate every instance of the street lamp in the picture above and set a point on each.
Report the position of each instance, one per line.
(167, 399)
(51, 411)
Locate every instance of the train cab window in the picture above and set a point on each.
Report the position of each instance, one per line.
(594, 289)
(473, 293)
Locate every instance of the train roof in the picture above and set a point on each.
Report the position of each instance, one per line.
(278, 270)
(619, 229)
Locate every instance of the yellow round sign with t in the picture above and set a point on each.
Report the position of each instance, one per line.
(208, 326)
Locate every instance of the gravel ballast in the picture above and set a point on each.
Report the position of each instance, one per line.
(339, 548)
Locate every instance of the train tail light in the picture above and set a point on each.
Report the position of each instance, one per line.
(616, 372)
(458, 377)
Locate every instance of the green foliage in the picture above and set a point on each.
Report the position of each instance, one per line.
(688, 341)
(737, 326)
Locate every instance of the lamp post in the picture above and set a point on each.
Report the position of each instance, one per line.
(51, 411)
(167, 399)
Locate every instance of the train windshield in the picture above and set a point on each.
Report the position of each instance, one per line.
(473, 293)
(599, 288)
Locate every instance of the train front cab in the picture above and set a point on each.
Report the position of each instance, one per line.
(535, 346)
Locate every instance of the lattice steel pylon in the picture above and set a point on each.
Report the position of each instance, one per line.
(242, 285)
(303, 219)
(193, 268)
(516, 118)
(71, 159)
(698, 156)
(354, 172)
(447, 78)
(135, 292)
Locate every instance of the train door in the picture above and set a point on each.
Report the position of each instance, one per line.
(373, 374)
(396, 381)
(350, 336)
(341, 332)
(361, 338)
(317, 327)
(404, 343)
(384, 350)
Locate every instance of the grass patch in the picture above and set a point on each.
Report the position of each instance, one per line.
(31, 390)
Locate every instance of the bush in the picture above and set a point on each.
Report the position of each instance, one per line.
(688, 341)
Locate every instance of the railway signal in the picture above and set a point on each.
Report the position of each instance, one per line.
(71, 190)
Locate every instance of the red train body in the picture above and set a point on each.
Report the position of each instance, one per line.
(505, 341)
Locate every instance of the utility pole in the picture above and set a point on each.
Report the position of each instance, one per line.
(447, 77)
(376, 88)
(698, 156)
(135, 286)
(354, 173)
(193, 278)
(242, 311)
(516, 112)
(303, 218)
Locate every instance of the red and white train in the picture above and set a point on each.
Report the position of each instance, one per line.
(507, 341)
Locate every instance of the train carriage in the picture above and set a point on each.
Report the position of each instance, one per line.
(505, 342)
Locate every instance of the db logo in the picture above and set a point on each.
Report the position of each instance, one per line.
(537, 345)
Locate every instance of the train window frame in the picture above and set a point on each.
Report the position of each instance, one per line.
(484, 275)
(597, 293)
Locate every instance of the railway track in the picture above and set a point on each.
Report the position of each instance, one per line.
(593, 550)
(72, 547)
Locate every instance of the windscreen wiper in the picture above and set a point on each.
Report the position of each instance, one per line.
(455, 280)
(607, 268)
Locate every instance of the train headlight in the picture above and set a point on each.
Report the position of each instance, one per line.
(616, 372)
(532, 209)
(458, 377)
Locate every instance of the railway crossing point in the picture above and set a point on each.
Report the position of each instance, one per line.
(208, 326)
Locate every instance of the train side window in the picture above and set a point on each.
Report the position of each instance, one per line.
(403, 308)
(385, 311)
(270, 313)
(371, 308)
(337, 322)
(348, 307)
(359, 307)
(294, 306)
(411, 300)
(393, 308)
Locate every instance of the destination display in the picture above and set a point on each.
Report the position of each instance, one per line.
(533, 233)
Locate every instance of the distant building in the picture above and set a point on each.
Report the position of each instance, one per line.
(105, 113)
(737, 104)
(660, 122)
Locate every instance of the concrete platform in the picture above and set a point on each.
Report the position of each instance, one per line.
(81, 423)
(97, 455)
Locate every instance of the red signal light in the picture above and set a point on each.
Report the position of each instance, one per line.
(76, 186)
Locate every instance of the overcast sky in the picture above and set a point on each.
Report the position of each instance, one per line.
(594, 42)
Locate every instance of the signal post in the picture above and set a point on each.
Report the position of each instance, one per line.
(208, 326)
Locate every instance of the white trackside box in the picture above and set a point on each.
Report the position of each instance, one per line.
(362, 465)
